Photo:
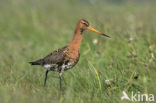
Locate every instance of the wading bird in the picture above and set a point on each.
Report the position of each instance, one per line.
(68, 56)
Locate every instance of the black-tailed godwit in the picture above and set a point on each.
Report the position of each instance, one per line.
(67, 57)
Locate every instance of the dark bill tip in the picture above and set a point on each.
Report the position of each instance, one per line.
(106, 35)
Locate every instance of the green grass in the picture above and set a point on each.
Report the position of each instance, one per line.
(31, 29)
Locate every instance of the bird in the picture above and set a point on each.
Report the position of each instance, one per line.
(67, 57)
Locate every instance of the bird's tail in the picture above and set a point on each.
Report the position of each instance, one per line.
(38, 62)
(34, 63)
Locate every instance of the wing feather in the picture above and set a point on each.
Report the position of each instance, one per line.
(55, 57)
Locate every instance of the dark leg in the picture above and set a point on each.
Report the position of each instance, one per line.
(46, 74)
(60, 76)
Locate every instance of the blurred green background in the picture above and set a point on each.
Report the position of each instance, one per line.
(30, 29)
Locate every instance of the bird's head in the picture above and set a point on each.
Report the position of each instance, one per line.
(83, 25)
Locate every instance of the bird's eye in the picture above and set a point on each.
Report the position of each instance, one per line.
(84, 23)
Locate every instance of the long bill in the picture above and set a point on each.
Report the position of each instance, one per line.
(94, 30)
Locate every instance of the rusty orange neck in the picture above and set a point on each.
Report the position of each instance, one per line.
(76, 41)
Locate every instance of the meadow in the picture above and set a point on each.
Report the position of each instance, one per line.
(30, 29)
